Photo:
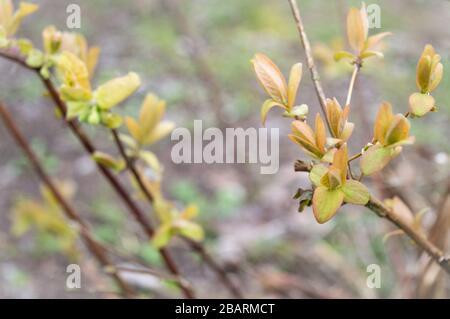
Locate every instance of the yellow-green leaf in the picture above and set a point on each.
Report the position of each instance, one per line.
(108, 161)
(160, 131)
(150, 159)
(326, 202)
(355, 193)
(266, 107)
(162, 236)
(111, 120)
(338, 56)
(117, 90)
(316, 174)
(375, 159)
(420, 104)
(189, 229)
(24, 10)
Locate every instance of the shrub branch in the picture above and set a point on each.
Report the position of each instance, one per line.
(113, 181)
(375, 205)
(97, 249)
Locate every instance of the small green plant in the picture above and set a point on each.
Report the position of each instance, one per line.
(330, 168)
(67, 60)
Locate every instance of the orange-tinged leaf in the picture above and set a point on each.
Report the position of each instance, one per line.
(334, 112)
(355, 193)
(309, 148)
(365, 20)
(304, 131)
(332, 179)
(398, 130)
(340, 161)
(270, 78)
(92, 59)
(382, 122)
(133, 128)
(294, 81)
(326, 202)
(160, 131)
(374, 40)
(356, 32)
(420, 104)
(347, 131)
(321, 135)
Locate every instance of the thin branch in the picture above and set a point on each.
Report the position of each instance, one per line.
(374, 204)
(95, 247)
(113, 181)
(356, 68)
(310, 60)
(197, 247)
(434, 252)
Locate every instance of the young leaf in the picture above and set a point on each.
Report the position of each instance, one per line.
(356, 32)
(338, 56)
(270, 78)
(398, 130)
(111, 120)
(189, 229)
(162, 236)
(117, 90)
(294, 81)
(108, 161)
(13, 21)
(355, 193)
(316, 174)
(150, 159)
(133, 128)
(326, 202)
(420, 104)
(375, 159)
(382, 122)
(266, 107)
(159, 132)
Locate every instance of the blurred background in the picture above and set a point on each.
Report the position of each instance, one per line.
(195, 54)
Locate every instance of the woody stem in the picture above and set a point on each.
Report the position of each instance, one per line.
(115, 183)
(197, 247)
(93, 245)
(374, 204)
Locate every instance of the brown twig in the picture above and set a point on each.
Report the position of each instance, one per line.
(113, 181)
(95, 247)
(356, 68)
(374, 204)
(197, 247)
(310, 60)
